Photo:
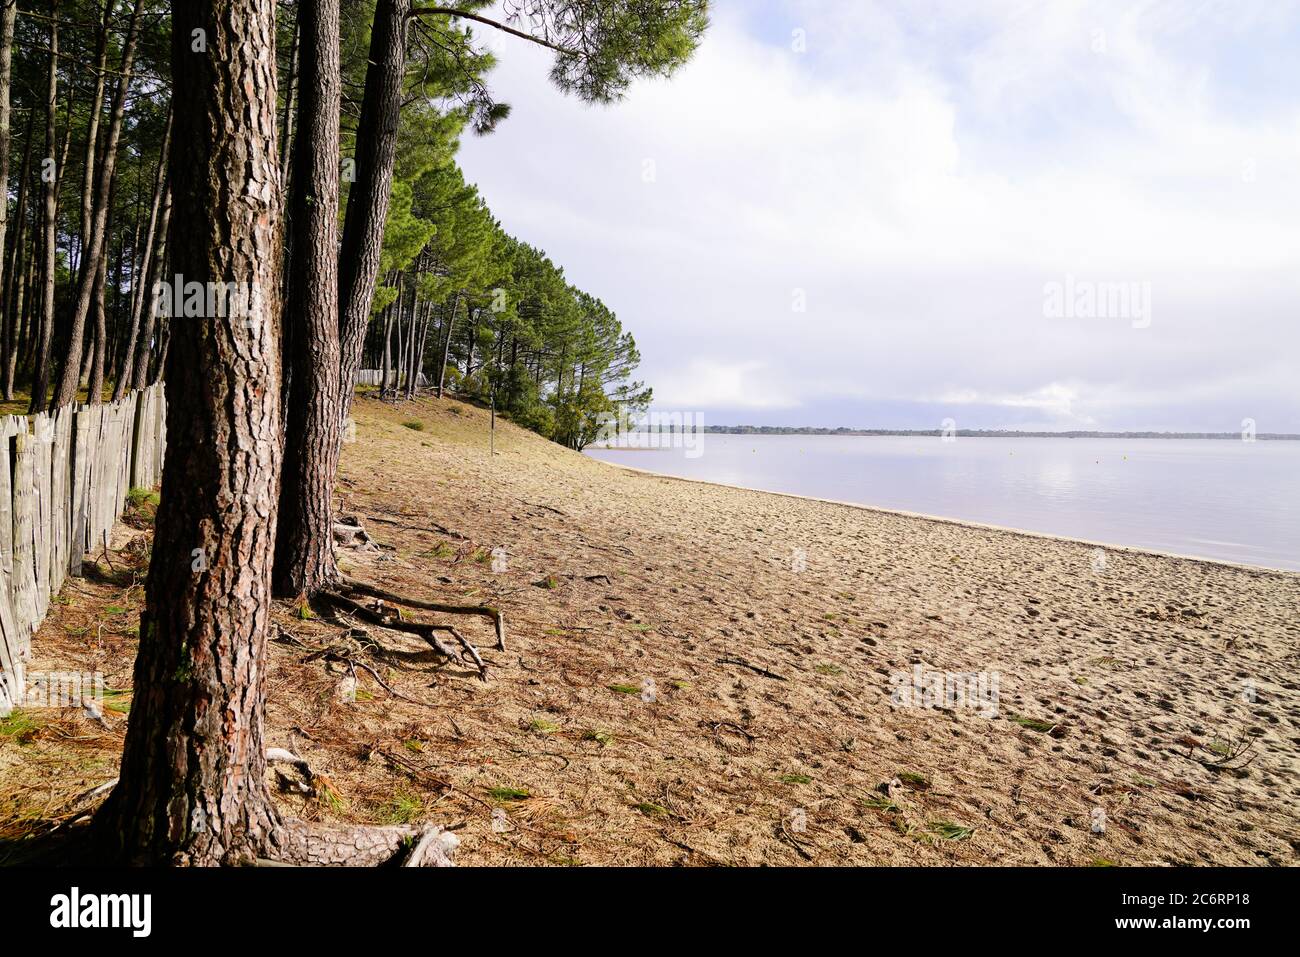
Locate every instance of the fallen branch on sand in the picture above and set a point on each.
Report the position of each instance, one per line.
(433, 527)
(755, 668)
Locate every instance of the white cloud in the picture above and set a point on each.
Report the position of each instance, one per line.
(920, 173)
(712, 384)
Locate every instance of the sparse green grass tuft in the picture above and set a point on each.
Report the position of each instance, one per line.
(949, 831)
(138, 497)
(117, 699)
(1053, 728)
(542, 726)
(603, 738)
(503, 793)
(329, 797)
(913, 780)
(20, 726)
(828, 669)
(402, 809)
(650, 809)
(415, 425)
(796, 779)
(625, 689)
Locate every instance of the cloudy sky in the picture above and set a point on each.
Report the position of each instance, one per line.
(857, 213)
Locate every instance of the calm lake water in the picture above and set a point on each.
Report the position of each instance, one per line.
(1212, 498)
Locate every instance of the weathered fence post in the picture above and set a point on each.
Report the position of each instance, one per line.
(63, 485)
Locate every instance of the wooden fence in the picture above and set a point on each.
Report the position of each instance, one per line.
(64, 479)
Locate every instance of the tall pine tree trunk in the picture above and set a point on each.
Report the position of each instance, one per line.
(8, 13)
(98, 224)
(149, 326)
(367, 212)
(192, 787)
(95, 379)
(446, 345)
(141, 293)
(387, 365)
(14, 285)
(92, 133)
(49, 180)
(304, 546)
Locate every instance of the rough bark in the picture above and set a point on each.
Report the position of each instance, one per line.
(304, 547)
(192, 787)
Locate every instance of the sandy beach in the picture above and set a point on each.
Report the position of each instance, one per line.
(699, 674)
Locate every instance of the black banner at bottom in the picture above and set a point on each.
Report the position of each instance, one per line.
(332, 906)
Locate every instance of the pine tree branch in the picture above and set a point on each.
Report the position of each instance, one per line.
(495, 24)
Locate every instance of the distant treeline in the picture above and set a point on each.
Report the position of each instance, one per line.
(984, 433)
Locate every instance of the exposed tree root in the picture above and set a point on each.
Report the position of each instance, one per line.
(299, 843)
(286, 842)
(469, 649)
(484, 611)
(425, 631)
(303, 843)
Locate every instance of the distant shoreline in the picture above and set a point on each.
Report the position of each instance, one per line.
(988, 433)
